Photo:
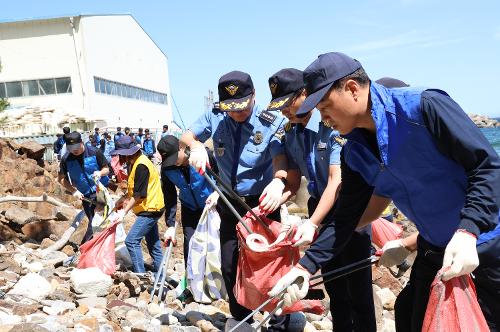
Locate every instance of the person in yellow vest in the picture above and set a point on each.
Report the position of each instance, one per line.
(145, 198)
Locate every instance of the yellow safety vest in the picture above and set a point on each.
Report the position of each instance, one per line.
(154, 199)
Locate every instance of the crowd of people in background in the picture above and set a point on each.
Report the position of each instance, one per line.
(106, 141)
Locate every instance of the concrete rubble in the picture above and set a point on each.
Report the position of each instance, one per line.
(44, 293)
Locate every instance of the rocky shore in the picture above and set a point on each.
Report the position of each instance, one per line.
(482, 121)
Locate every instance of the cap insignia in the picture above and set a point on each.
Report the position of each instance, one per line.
(231, 89)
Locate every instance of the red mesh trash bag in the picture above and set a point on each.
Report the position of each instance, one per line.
(453, 307)
(118, 169)
(100, 251)
(383, 231)
(258, 272)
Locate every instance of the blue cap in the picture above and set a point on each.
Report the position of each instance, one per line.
(322, 73)
(284, 85)
(235, 91)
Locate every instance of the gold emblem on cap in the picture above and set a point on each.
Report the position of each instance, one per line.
(231, 89)
(258, 137)
(273, 86)
(278, 104)
(233, 105)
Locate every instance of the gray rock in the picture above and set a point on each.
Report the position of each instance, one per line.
(91, 281)
(324, 324)
(32, 286)
(93, 302)
(20, 216)
(176, 328)
(57, 307)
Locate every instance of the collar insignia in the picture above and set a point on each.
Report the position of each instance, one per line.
(340, 141)
(231, 89)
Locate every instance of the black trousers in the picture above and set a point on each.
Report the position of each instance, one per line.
(229, 258)
(189, 220)
(351, 297)
(412, 301)
(89, 212)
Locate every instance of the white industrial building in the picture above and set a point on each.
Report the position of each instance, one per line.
(83, 70)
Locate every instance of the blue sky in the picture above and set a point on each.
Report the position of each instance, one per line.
(451, 45)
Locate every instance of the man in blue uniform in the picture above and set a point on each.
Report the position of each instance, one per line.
(193, 190)
(148, 146)
(250, 155)
(80, 167)
(118, 134)
(418, 148)
(313, 150)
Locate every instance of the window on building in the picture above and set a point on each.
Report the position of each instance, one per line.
(126, 91)
(35, 87)
(14, 89)
(63, 85)
(47, 87)
(30, 88)
(2, 90)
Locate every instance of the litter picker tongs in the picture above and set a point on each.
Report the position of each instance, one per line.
(326, 277)
(235, 196)
(162, 271)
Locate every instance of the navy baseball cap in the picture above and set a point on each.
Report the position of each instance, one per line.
(235, 91)
(284, 85)
(322, 73)
(73, 140)
(168, 147)
(390, 82)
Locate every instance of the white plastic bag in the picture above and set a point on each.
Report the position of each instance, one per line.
(204, 263)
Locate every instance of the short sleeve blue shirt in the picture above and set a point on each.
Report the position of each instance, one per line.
(243, 151)
(312, 149)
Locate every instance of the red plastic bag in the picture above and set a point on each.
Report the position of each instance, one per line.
(258, 272)
(118, 169)
(453, 307)
(100, 251)
(383, 231)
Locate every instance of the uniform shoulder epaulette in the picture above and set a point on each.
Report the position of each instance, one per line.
(340, 141)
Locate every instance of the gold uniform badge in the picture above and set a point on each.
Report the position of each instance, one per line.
(258, 137)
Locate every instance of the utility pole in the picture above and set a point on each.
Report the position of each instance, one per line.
(209, 100)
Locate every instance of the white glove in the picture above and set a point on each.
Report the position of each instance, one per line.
(305, 233)
(212, 200)
(96, 176)
(198, 157)
(271, 196)
(170, 235)
(120, 215)
(296, 282)
(460, 255)
(393, 253)
(78, 194)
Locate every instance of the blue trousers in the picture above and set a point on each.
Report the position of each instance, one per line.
(144, 227)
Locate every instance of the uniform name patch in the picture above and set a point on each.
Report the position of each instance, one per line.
(268, 116)
(321, 146)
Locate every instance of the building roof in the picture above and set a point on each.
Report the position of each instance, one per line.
(50, 18)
